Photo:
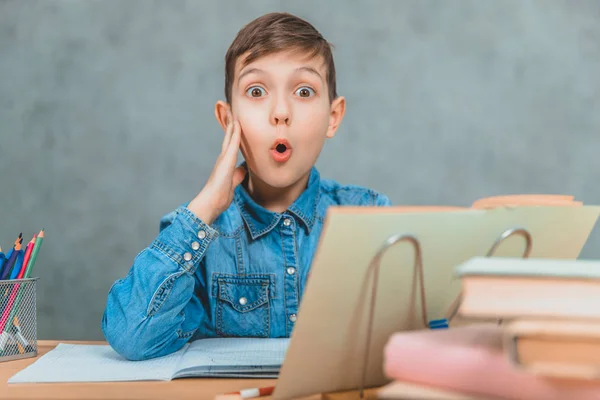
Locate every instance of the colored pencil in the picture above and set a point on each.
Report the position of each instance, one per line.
(27, 271)
(8, 255)
(1, 273)
(9, 307)
(21, 271)
(15, 252)
(18, 265)
(34, 253)
(13, 257)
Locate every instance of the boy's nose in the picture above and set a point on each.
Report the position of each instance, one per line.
(284, 120)
(281, 113)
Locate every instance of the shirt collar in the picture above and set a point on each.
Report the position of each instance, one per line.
(260, 221)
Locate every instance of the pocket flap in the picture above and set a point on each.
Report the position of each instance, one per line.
(244, 294)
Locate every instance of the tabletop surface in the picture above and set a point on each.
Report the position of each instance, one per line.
(188, 388)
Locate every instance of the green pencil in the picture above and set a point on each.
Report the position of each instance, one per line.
(34, 253)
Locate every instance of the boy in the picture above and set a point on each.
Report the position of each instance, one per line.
(234, 261)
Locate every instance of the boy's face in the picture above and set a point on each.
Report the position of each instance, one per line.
(283, 97)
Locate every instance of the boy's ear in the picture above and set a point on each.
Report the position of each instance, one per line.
(221, 111)
(338, 108)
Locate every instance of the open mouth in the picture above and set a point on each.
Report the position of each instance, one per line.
(281, 150)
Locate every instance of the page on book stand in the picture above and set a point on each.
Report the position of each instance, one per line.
(328, 344)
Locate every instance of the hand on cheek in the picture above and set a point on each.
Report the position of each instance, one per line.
(217, 194)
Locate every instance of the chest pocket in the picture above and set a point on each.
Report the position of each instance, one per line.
(243, 306)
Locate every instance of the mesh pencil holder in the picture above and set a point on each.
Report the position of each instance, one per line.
(18, 319)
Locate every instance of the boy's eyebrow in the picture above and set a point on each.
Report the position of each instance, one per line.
(299, 69)
(311, 70)
(250, 71)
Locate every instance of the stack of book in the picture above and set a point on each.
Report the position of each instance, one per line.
(550, 311)
(543, 341)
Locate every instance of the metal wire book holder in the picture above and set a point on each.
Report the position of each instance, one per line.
(374, 267)
(505, 235)
(18, 319)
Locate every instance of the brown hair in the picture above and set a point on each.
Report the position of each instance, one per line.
(276, 32)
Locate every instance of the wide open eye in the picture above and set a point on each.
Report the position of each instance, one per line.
(305, 91)
(256, 91)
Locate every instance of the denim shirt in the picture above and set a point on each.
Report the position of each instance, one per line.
(242, 276)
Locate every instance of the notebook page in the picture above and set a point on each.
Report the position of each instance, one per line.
(222, 355)
(95, 363)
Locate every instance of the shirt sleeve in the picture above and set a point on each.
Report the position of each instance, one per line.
(154, 311)
(381, 200)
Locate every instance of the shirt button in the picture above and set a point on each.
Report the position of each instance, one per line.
(195, 245)
(287, 222)
(201, 234)
(187, 256)
(293, 317)
(291, 270)
(243, 301)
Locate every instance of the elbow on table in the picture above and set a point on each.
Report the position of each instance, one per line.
(137, 341)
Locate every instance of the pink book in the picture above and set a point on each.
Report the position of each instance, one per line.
(471, 360)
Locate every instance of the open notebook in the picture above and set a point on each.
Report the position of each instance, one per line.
(220, 357)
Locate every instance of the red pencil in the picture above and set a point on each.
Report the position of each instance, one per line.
(255, 392)
(27, 257)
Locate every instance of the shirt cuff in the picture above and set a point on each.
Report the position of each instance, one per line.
(186, 239)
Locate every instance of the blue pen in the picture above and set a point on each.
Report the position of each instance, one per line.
(18, 264)
(8, 266)
(12, 259)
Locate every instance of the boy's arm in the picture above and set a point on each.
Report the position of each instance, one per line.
(153, 311)
(381, 200)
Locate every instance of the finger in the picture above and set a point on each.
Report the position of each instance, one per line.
(228, 132)
(228, 157)
(234, 144)
(226, 138)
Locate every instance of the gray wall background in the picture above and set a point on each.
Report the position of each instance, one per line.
(106, 117)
